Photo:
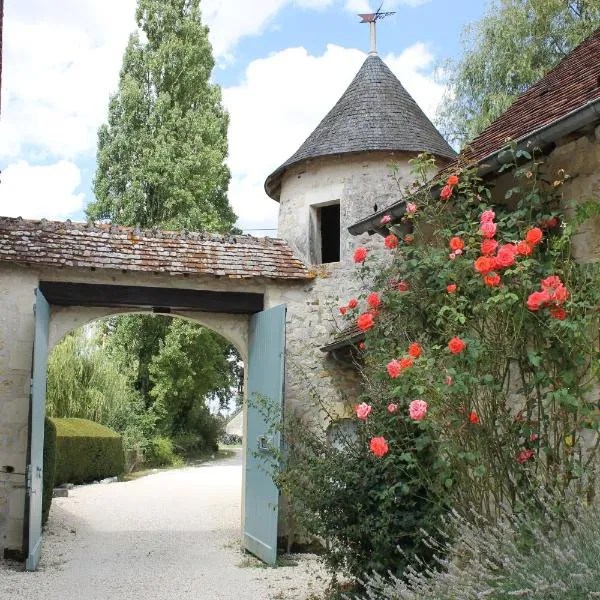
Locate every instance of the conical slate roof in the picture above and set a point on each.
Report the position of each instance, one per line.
(374, 114)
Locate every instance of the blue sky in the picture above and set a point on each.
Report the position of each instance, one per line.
(282, 65)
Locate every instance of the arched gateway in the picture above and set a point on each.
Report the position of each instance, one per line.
(57, 276)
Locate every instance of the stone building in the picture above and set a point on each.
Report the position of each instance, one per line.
(342, 173)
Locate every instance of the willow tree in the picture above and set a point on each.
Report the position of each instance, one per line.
(161, 156)
(511, 47)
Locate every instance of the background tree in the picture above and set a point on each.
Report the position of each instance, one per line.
(161, 157)
(511, 47)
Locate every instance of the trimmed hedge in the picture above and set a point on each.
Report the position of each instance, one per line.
(86, 451)
(49, 467)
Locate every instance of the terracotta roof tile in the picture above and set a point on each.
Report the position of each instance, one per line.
(66, 244)
(568, 86)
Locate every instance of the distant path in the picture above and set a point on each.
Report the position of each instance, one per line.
(170, 535)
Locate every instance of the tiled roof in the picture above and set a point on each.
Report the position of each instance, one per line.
(58, 244)
(374, 114)
(568, 86)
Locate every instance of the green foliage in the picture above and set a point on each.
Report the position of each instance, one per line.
(161, 157)
(133, 340)
(536, 555)
(191, 446)
(161, 453)
(86, 451)
(513, 45)
(85, 380)
(191, 366)
(49, 458)
(369, 512)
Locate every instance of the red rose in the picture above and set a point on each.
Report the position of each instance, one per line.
(558, 313)
(506, 255)
(373, 300)
(451, 288)
(488, 247)
(408, 238)
(402, 286)
(379, 446)
(360, 254)
(361, 345)
(524, 248)
(456, 244)
(492, 280)
(352, 303)
(456, 345)
(537, 300)
(473, 418)
(534, 236)
(343, 310)
(415, 350)
(446, 192)
(452, 180)
(405, 363)
(365, 321)
(524, 456)
(484, 264)
(391, 241)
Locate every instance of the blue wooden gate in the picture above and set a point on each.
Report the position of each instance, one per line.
(37, 408)
(265, 386)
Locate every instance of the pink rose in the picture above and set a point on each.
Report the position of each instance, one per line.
(488, 229)
(417, 410)
(506, 255)
(392, 408)
(385, 219)
(394, 368)
(487, 216)
(411, 208)
(363, 411)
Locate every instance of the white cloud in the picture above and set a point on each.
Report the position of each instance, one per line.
(283, 98)
(60, 66)
(368, 6)
(36, 191)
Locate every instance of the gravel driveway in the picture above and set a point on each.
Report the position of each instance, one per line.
(173, 534)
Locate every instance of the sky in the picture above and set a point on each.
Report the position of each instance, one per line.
(282, 65)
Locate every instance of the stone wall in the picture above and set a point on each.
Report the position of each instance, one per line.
(358, 183)
(17, 285)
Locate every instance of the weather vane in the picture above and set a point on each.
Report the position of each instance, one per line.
(372, 19)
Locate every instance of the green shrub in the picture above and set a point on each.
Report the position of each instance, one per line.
(86, 451)
(161, 453)
(49, 467)
(193, 445)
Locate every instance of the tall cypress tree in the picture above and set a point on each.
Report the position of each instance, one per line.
(161, 157)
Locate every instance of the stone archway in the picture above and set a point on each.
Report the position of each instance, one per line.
(81, 273)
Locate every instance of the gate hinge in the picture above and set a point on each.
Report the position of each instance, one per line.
(31, 387)
(28, 479)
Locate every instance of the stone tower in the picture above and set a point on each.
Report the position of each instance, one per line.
(340, 175)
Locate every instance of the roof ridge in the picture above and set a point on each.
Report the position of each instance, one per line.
(111, 228)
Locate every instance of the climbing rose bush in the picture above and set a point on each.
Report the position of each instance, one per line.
(478, 363)
(506, 325)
